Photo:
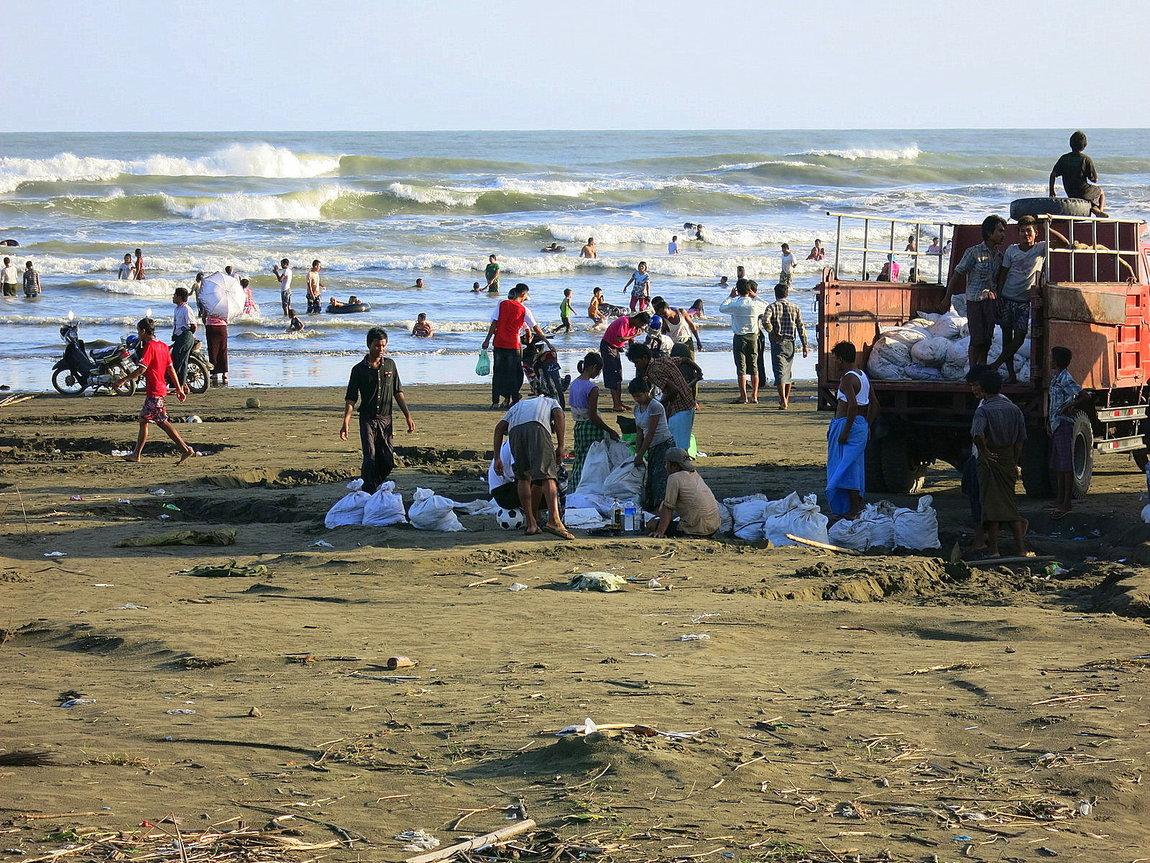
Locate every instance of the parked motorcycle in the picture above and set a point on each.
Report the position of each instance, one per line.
(100, 370)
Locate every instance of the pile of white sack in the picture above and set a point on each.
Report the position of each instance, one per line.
(428, 511)
(609, 475)
(934, 348)
(881, 525)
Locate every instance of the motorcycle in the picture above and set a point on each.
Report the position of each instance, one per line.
(101, 370)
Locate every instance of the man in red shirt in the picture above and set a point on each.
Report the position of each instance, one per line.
(155, 365)
(509, 319)
(618, 336)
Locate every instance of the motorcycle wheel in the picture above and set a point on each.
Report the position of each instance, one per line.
(197, 376)
(128, 388)
(67, 383)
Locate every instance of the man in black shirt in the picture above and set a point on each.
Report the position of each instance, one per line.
(374, 383)
(1079, 176)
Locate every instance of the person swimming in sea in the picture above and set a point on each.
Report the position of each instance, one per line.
(295, 325)
(423, 328)
(475, 288)
(696, 310)
(553, 248)
(419, 284)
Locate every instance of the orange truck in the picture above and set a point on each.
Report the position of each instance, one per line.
(1093, 299)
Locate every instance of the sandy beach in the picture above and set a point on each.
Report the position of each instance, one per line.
(872, 707)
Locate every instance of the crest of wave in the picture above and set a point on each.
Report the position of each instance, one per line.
(235, 160)
(610, 235)
(885, 154)
(239, 206)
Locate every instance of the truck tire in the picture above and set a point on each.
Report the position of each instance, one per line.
(874, 480)
(1082, 453)
(1036, 478)
(900, 474)
(1049, 207)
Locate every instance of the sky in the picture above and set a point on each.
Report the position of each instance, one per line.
(259, 65)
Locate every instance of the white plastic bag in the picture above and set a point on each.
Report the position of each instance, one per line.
(603, 457)
(347, 510)
(907, 334)
(625, 482)
(583, 518)
(429, 511)
(384, 507)
(873, 528)
(917, 528)
(805, 520)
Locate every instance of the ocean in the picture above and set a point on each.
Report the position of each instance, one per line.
(383, 209)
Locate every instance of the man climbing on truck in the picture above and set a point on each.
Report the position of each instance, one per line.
(1079, 176)
(977, 272)
(1017, 284)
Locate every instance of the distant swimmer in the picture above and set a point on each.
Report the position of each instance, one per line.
(553, 248)
(475, 288)
(423, 328)
(1079, 176)
(817, 252)
(699, 233)
(589, 250)
(124, 273)
(740, 273)
(723, 283)
(419, 284)
(491, 274)
(673, 246)
(295, 325)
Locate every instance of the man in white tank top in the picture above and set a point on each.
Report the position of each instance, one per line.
(856, 408)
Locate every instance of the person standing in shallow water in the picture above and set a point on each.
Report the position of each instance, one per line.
(374, 384)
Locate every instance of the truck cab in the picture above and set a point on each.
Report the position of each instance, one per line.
(1092, 298)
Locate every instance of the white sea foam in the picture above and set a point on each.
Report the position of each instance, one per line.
(235, 160)
(153, 288)
(853, 154)
(435, 194)
(241, 206)
(613, 235)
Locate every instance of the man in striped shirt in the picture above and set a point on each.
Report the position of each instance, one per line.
(783, 322)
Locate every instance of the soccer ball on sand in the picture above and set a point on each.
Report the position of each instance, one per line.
(510, 519)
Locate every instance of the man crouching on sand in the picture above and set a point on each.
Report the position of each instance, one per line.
(374, 383)
(536, 461)
(156, 367)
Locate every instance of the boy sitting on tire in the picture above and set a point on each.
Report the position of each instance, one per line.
(1079, 177)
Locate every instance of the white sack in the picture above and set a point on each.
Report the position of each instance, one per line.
(347, 510)
(583, 518)
(917, 528)
(930, 352)
(805, 520)
(429, 511)
(918, 372)
(625, 482)
(384, 507)
(951, 325)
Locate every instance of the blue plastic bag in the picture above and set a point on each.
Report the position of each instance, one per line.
(483, 364)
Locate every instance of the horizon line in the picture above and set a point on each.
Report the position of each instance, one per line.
(505, 131)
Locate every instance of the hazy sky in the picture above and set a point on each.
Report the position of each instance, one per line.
(154, 65)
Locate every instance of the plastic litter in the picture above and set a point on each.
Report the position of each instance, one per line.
(55, 554)
(121, 453)
(193, 419)
(69, 703)
(159, 492)
(518, 586)
(355, 484)
(604, 582)
(124, 500)
(180, 711)
(131, 606)
(695, 636)
(76, 497)
(320, 543)
(417, 840)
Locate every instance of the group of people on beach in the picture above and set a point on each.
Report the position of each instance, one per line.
(11, 277)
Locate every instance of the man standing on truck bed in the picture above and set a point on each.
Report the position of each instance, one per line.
(998, 431)
(978, 269)
(856, 406)
(1018, 288)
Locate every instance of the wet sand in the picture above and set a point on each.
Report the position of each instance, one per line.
(880, 707)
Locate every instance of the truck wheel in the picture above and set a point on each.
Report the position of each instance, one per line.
(900, 475)
(874, 480)
(1083, 454)
(1035, 464)
(1049, 207)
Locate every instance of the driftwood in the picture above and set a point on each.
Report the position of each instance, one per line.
(822, 546)
(993, 561)
(495, 837)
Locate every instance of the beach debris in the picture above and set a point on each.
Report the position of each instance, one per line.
(695, 636)
(255, 713)
(355, 484)
(654, 583)
(320, 543)
(102, 584)
(130, 606)
(1084, 807)
(121, 453)
(348, 510)
(253, 403)
(613, 729)
(483, 582)
(124, 500)
(193, 419)
(654, 655)
(224, 536)
(604, 582)
(76, 497)
(71, 698)
(230, 569)
(394, 662)
(180, 711)
(417, 840)
(495, 837)
(518, 586)
(159, 492)
(55, 554)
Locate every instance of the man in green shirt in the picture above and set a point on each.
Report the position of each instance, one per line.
(491, 273)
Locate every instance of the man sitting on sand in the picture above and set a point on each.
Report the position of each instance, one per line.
(689, 508)
(998, 431)
(529, 423)
(155, 364)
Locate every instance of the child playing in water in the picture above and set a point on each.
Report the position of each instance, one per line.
(295, 325)
(565, 312)
(696, 310)
(423, 328)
